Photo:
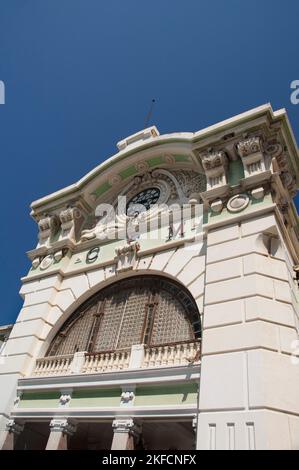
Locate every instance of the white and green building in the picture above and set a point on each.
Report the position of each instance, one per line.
(179, 335)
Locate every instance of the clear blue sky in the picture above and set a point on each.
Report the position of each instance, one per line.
(80, 75)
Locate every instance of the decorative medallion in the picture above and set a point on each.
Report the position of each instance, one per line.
(114, 180)
(169, 159)
(47, 262)
(142, 167)
(238, 203)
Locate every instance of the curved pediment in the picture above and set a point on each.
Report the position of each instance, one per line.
(167, 151)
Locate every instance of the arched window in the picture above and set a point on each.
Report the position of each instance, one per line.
(141, 310)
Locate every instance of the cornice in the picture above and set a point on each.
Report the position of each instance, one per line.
(186, 142)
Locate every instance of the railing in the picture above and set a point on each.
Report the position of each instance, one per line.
(53, 365)
(106, 361)
(162, 355)
(171, 354)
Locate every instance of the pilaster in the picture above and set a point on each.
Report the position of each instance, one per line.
(126, 434)
(60, 430)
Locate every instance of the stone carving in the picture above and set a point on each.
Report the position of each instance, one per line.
(217, 206)
(282, 162)
(126, 426)
(126, 256)
(58, 255)
(238, 203)
(289, 183)
(273, 148)
(169, 159)
(115, 180)
(214, 160)
(215, 164)
(64, 400)
(62, 425)
(14, 427)
(175, 187)
(127, 397)
(48, 227)
(70, 219)
(258, 193)
(249, 146)
(250, 151)
(35, 263)
(142, 167)
(130, 248)
(190, 182)
(46, 262)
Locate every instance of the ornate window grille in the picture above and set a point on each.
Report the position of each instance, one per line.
(142, 310)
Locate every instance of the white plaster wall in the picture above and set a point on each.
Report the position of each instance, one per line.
(248, 330)
(249, 306)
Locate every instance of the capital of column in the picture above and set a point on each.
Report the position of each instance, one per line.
(63, 425)
(14, 427)
(128, 426)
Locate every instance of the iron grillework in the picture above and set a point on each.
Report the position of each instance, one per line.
(148, 310)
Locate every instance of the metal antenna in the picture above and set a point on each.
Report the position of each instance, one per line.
(149, 113)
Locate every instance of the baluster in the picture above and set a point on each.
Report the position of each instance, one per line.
(152, 357)
(49, 368)
(170, 355)
(110, 361)
(37, 368)
(67, 365)
(60, 366)
(127, 358)
(159, 357)
(164, 353)
(145, 359)
(92, 363)
(92, 360)
(122, 360)
(180, 350)
(113, 360)
(106, 360)
(100, 362)
(116, 362)
(64, 365)
(96, 360)
(177, 350)
(88, 363)
(186, 353)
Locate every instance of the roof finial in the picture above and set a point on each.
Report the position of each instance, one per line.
(149, 113)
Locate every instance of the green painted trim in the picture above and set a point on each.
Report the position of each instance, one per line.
(102, 189)
(182, 158)
(225, 214)
(129, 171)
(39, 400)
(167, 395)
(235, 172)
(92, 398)
(229, 124)
(155, 161)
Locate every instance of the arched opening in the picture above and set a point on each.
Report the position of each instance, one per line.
(147, 309)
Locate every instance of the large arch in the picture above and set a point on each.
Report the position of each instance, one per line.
(148, 309)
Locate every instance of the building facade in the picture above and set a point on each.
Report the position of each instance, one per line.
(161, 308)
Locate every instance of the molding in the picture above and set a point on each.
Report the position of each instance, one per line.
(185, 144)
(160, 411)
(130, 377)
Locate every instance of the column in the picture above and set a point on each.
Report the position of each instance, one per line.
(13, 429)
(126, 434)
(60, 430)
